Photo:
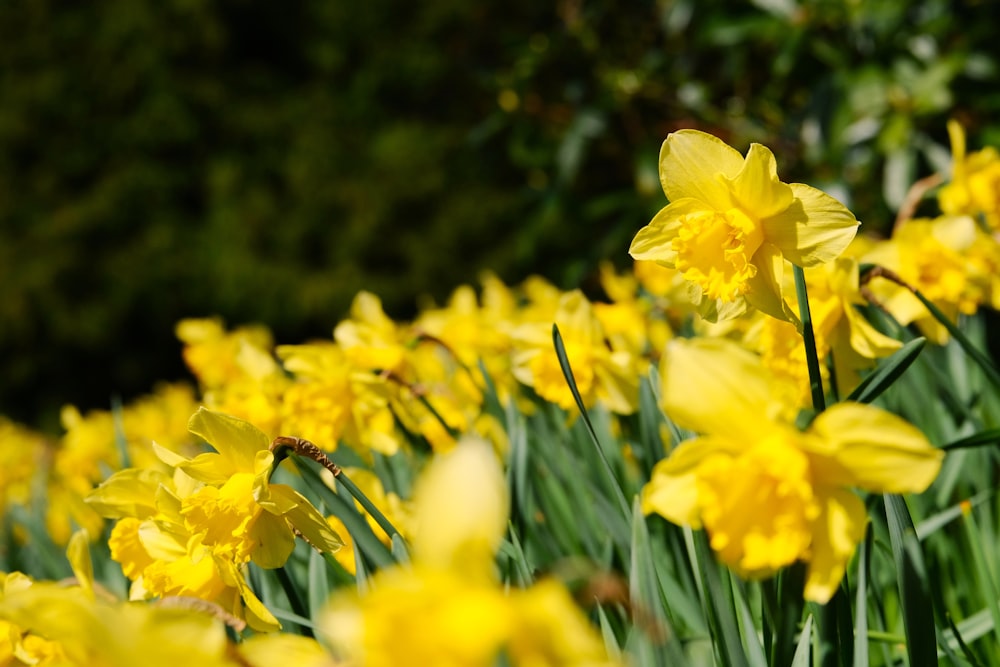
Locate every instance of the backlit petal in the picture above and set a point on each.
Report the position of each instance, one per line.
(672, 491)
(236, 440)
(712, 385)
(654, 241)
(690, 163)
(872, 449)
(815, 228)
(757, 189)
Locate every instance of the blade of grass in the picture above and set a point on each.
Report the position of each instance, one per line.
(981, 360)
(649, 610)
(861, 601)
(567, 371)
(722, 615)
(915, 600)
(887, 372)
(802, 649)
(988, 437)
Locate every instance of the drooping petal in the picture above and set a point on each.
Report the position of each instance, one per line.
(836, 533)
(756, 187)
(862, 446)
(714, 386)
(236, 440)
(765, 292)
(690, 162)
(127, 493)
(305, 518)
(275, 540)
(815, 228)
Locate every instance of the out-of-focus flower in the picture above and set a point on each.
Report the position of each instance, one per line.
(931, 256)
(768, 494)
(236, 370)
(600, 373)
(447, 607)
(331, 400)
(975, 181)
(838, 326)
(731, 224)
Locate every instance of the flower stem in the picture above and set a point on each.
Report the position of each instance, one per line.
(809, 337)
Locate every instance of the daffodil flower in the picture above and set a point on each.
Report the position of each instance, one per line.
(447, 606)
(768, 494)
(731, 224)
(238, 512)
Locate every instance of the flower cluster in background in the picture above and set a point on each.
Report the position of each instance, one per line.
(444, 502)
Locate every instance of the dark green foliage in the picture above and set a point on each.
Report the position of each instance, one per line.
(266, 161)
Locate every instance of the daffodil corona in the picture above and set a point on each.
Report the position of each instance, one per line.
(731, 224)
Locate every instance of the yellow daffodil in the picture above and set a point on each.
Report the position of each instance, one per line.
(768, 494)
(975, 181)
(236, 370)
(838, 326)
(447, 608)
(731, 224)
(331, 400)
(932, 256)
(193, 533)
(600, 373)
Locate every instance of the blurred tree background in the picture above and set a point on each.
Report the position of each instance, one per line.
(264, 161)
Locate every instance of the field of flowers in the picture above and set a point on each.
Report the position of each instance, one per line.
(772, 442)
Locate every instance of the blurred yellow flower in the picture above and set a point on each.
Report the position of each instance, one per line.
(768, 494)
(933, 256)
(447, 608)
(731, 223)
(975, 181)
(600, 373)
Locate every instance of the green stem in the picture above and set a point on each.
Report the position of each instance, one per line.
(369, 506)
(809, 337)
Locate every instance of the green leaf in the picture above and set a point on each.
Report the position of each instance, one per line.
(567, 371)
(989, 437)
(802, 649)
(888, 371)
(647, 598)
(911, 573)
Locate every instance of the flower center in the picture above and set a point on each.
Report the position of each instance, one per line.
(758, 507)
(224, 516)
(714, 251)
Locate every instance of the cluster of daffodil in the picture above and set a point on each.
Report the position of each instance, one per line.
(716, 301)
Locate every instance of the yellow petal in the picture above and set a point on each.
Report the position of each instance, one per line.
(306, 519)
(814, 229)
(129, 492)
(765, 292)
(461, 510)
(690, 163)
(872, 449)
(712, 385)
(672, 491)
(274, 538)
(78, 554)
(837, 531)
(757, 189)
(653, 242)
(236, 440)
